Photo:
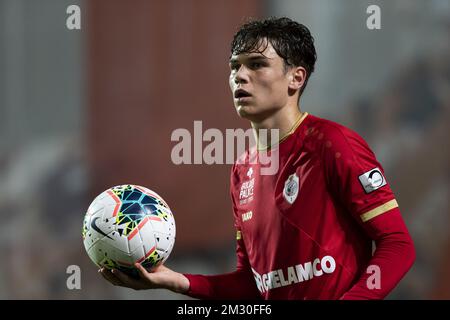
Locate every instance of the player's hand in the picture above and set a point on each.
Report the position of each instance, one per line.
(159, 278)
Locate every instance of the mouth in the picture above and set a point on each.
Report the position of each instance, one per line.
(240, 93)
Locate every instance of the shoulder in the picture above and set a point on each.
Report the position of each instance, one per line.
(327, 136)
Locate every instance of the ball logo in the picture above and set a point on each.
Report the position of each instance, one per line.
(372, 180)
(94, 226)
(291, 187)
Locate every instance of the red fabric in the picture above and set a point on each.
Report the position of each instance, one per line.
(394, 256)
(303, 235)
(238, 285)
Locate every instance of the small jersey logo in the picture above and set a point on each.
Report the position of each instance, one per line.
(250, 173)
(246, 192)
(372, 180)
(247, 216)
(291, 188)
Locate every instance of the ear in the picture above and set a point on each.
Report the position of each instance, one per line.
(297, 78)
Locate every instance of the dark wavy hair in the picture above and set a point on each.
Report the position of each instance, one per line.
(291, 40)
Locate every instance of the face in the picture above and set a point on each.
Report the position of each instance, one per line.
(259, 83)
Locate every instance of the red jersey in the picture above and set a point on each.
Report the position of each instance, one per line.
(306, 231)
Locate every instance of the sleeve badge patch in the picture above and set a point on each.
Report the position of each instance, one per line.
(372, 180)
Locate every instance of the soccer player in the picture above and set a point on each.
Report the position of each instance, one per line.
(306, 231)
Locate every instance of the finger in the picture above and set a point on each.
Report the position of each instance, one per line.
(152, 279)
(106, 274)
(145, 274)
(124, 278)
(110, 277)
(142, 271)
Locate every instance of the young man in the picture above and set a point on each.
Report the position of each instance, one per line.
(306, 231)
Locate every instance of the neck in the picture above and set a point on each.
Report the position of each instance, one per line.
(286, 120)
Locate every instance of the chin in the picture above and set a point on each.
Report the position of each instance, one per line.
(243, 111)
(248, 113)
(254, 113)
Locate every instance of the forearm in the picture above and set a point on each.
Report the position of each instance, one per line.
(237, 285)
(392, 258)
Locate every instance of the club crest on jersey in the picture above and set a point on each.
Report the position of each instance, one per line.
(291, 188)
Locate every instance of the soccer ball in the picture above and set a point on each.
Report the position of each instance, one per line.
(127, 224)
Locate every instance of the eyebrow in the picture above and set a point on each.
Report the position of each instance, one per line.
(252, 58)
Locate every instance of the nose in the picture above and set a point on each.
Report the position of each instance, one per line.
(241, 76)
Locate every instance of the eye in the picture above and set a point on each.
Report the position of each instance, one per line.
(256, 65)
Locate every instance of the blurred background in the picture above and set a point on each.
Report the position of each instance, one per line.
(83, 110)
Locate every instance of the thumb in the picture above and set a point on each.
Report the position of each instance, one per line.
(143, 273)
(153, 279)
